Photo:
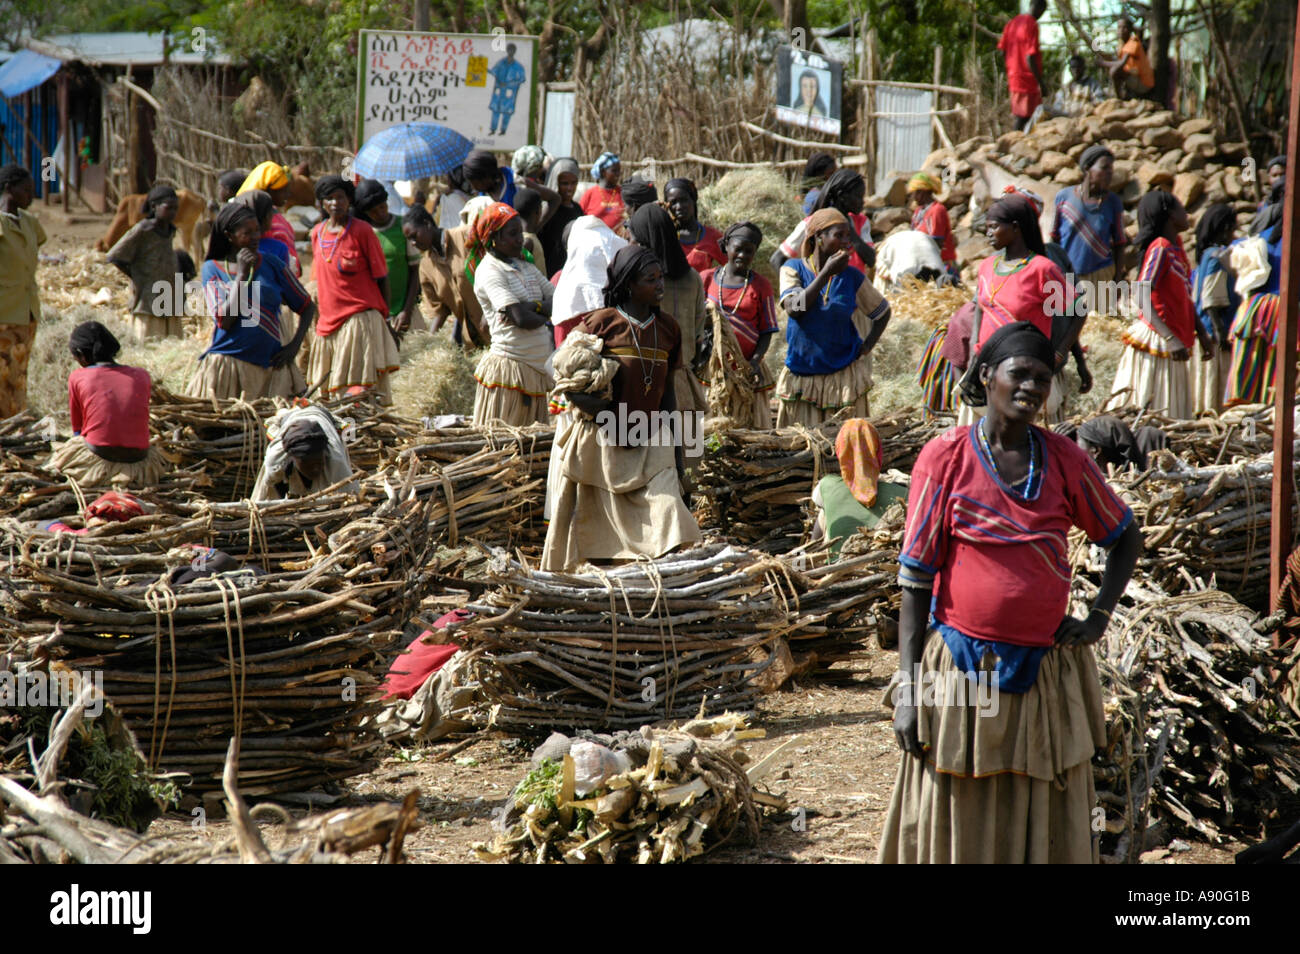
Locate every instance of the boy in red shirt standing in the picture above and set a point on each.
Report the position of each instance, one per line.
(1024, 62)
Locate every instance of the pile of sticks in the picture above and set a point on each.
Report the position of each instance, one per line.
(24, 437)
(754, 486)
(282, 660)
(616, 648)
(1199, 738)
(677, 795)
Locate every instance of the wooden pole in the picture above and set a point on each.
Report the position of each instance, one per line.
(934, 101)
(69, 148)
(1284, 379)
(870, 105)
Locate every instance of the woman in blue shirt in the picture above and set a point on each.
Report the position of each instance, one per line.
(836, 318)
(1216, 301)
(1089, 220)
(244, 289)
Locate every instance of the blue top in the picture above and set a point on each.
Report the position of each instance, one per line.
(256, 336)
(810, 200)
(1208, 265)
(824, 340)
(1088, 232)
(273, 246)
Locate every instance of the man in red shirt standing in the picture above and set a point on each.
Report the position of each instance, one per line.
(1024, 61)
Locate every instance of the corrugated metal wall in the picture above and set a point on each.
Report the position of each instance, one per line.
(902, 142)
(44, 120)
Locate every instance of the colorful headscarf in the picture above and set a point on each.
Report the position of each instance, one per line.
(527, 161)
(266, 175)
(490, 221)
(819, 221)
(606, 160)
(857, 447)
(923, 180)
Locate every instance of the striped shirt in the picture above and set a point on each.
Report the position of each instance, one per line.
(750, 307)
(998, 562)
(1088, 232)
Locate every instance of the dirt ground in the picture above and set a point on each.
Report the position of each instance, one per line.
(838, 780)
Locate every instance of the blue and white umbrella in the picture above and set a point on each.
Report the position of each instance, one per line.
(412, 151)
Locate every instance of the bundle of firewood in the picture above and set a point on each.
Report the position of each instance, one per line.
(1199, 738)
(25, 437)
(653, 796)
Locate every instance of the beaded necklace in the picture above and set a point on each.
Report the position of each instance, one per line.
(1019, 265)
(1028, 482)
(329, 247)
(718, 275)
(647, 373)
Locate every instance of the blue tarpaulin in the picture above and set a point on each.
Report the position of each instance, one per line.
(25, 70)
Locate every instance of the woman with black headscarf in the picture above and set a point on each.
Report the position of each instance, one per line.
(1216, 301)
(653, 228)
(252, 354)
(618, 494)
(998, 706)
(819, 167)
(108, 404)
(1019, 282)
(1111, 442)
(354, 347)
(699, 241)
(845, 191)
(146, 256)
(1153, 372)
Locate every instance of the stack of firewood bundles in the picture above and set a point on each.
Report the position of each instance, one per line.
(653, 796)
(754, 486)
(25, 437)
(1199, 738)
(282, 659)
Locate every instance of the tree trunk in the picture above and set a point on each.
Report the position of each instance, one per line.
(421, 17)
(793, 15)
(1158, 23)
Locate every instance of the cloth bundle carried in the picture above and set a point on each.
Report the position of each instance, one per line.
(580, 367)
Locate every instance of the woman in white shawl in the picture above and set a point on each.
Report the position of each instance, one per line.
(307, 453)
(591, 246)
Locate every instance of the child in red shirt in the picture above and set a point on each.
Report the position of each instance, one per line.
(604, 200)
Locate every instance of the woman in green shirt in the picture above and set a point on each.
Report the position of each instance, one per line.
(855, 498)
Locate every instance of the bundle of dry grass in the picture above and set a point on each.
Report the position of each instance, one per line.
(762, 196)
(437, 376)
(654, 796)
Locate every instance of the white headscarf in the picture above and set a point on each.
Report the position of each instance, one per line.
(592, 246)
(338, 466)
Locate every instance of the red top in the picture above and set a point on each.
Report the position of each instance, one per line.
(1000, 563)
(281, 230)
(933, 220)
(1034, 293)
(346, 267)
(750, 307)
(707, 253)
(1166, 271)
(109, 405)
(1019, 40)
(604, 204)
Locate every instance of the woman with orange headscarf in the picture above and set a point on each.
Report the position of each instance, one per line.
(513, 381)
(856, 497)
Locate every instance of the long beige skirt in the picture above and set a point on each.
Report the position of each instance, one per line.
(613, 503)
(1210, 379)
(1147, 377)
(689, 392)
(1006, 778)
(510, 392)
(224, 377)
(75, 460)
(361, 353)
(810, 400)
(145, 327)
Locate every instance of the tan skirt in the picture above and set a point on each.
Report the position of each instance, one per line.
(689, 392)
(1148, 378)
(361, 353)
(75, 460)
(1092, 278)
(157, 326)
(1210, 379)
(810, 400)
(15, 351)
(1009, 783)
(510, 392)
(613, 503)
(223, 377)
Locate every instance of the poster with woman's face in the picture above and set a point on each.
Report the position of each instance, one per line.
(808, 90)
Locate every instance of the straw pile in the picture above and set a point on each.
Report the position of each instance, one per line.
(762, 196)
(915, 300)
(653, 796)
(1199, 738)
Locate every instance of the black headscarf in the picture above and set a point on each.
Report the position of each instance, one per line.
(1010, 341)
(841, 182)
(326, 185)
(1015, 209)
(1119, 445)
(746, 231)
(686, 185)
(304, 438)
(94, 342)
(156, 196)
(638, 192)
(628, 263)
(1094, 153)
(1153, 213)
(1268, 220)
(1213, 221)
(231, 215)
(652, 228)
(260, 201)
(369, 193)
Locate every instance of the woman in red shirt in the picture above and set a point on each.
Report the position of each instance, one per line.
(1153, 372)
(354, 346)
(604, 200)
(931, 216)
(701, 243)
(998, 706)
(109, 407)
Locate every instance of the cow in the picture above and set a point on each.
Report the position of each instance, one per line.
(193, 221)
